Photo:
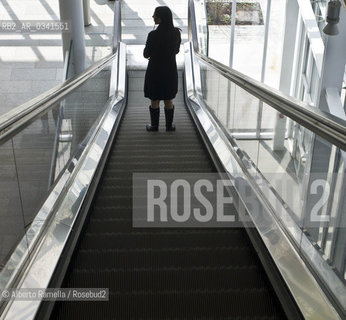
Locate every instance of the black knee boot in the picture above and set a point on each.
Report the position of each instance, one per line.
(154, 116)
(169, 113)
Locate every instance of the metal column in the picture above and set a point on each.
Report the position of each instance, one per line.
(291, 23)
(334, 62)
(72, 11)
(86, 12)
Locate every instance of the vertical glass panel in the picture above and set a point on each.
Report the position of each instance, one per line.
(301, 175)
(33, 149)
(235, 108)
(335, 243)
(12, 226)
(32, 160)
(275, 162)
(83, 106)
(243, 113)
(215, 90)
(325, 215)
(269, 117)
(249, 34)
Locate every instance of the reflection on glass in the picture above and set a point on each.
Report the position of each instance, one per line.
(334, 244)
(234, 107)
(268, 120)
(304, 173)
(325, 215)
(32, 148)
(12, 226)
(78, 113)
(32, 160)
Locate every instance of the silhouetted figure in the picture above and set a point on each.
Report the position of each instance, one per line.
(161, 77)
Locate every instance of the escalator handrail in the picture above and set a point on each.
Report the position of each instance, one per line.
(26, 112)
(21, 115)
(245, 176)
(329, 127)
(46, 238)
(323, 124)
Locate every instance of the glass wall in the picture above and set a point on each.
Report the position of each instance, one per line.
(254, 46)
(251, 42)
(33, 159)
(305, 189)
(305, 172)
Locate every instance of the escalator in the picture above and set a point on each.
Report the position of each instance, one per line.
(84, 235)
(161, 273)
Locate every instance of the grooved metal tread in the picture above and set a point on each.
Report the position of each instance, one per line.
(157, 273)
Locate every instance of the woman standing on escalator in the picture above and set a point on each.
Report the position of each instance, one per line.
(161, 77)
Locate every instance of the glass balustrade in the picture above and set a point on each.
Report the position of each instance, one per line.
(301, 174)
(33, 159)
(304, 174)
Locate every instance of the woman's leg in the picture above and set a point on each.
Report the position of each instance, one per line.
(155, 104)
(169, 113)
(154, 115)
(168, 104)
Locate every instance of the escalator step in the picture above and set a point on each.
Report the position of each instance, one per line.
(162, 273)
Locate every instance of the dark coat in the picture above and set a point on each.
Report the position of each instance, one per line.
(161, 77)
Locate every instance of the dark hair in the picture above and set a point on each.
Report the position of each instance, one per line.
(165, 14)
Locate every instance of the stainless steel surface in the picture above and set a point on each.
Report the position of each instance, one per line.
(311, 300)
(86, 12)
(117, 25)
(39, 272)
(46, 257)
(12, 266)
